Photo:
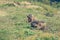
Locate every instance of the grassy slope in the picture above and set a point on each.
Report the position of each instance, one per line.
(13, 25)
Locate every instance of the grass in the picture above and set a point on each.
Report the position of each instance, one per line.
(14, 26)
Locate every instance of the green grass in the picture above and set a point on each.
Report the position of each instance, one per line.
(14, 26)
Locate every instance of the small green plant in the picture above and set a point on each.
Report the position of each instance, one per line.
(49, 14)
(28, 33)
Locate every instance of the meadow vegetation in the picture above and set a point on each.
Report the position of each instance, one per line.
(14, 25)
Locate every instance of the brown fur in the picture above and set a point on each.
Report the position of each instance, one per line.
(36, 23)
(31, 18)
(41, 25)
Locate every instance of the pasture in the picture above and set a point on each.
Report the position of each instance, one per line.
(14, 25)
